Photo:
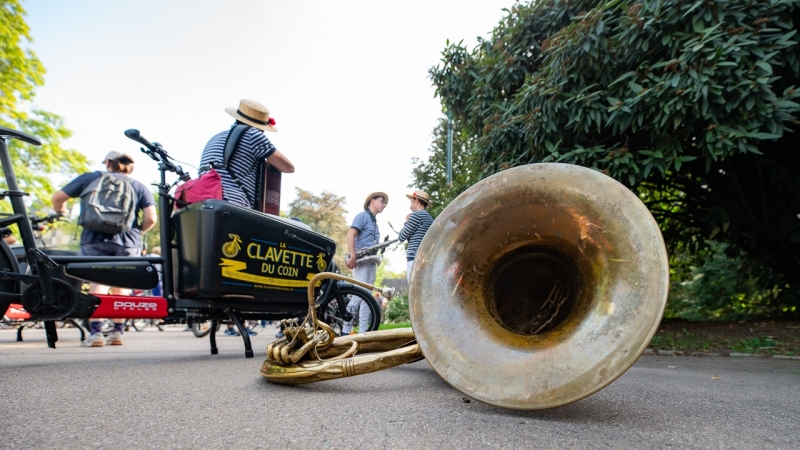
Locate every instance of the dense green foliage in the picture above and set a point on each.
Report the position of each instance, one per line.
(691, 103)
(431, 175)
(721, 283)
(21, 73)
(397, 310)
(324, 213)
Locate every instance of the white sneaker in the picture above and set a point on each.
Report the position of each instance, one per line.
(115, 338)
(94, 340)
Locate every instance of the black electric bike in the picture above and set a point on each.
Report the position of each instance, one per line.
(219, 263)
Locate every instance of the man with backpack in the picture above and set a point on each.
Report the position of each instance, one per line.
(110, 207)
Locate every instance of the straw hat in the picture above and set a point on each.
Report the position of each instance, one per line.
(420, 195)
(376, 194)
(254, 114)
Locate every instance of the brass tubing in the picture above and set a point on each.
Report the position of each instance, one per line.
(312, 310)
(331, 353)
(323, 275)
(336, 362)
(317, 335)
(372, 342)
(313, 371)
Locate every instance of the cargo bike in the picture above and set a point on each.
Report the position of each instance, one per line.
(219, 263)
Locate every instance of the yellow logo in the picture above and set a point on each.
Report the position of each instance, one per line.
(232, 247)
(235, 269)
(321, 264)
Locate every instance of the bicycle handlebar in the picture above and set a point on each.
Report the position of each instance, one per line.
(55, 217)
(38, 223)
(157, 153)
(134, 134)
(14, 134)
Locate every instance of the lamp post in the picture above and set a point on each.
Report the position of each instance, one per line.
(449, 149)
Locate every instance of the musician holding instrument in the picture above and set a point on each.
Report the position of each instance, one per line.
(364, 233)
(417, 224)
(239, 175)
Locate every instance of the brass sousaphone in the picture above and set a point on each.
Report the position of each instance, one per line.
(536, 287)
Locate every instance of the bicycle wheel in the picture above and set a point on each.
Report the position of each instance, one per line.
(331, 312)
(202, 329)
(138, 324)
(8, 263)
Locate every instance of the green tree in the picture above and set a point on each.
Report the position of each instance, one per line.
(324, 213)
(383, 272)
(21, 73)
(692, 104)
(431, 175)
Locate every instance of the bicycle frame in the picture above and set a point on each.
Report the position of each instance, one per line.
(169, 307)
(110, 306)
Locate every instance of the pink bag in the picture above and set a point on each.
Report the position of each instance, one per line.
(208, 186)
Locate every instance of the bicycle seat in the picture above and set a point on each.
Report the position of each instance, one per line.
(14, 134)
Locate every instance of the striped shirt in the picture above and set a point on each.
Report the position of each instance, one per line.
(414, 230)
(253, 148)
(367, 227)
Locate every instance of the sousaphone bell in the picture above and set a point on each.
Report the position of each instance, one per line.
(536, 287)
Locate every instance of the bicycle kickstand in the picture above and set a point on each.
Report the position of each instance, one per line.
(50, 331)
(248, 348)
(212, 337)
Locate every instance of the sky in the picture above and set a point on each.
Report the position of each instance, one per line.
(346, 81)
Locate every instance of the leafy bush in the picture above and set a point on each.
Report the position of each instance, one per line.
(692, 104)
(397, 311)
(721, 283)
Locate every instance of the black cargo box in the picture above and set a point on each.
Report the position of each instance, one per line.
(226, 251)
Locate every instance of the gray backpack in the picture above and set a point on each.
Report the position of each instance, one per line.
(108, 205)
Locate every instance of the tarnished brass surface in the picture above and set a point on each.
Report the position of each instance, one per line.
(375, 341)
(387, 342)
(536, 287)
(303, 339)
(308, 351)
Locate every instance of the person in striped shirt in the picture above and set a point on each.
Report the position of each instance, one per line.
(363, 233)
(417, 224)
(239, 177)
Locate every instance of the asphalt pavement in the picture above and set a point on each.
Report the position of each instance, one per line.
(164, 390)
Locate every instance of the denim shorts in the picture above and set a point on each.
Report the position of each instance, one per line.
(109, 249)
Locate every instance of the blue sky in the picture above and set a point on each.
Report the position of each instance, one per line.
(346, 81)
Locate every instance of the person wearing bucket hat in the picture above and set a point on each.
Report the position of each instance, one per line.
(417, 224)
(363, 233)
(239, 175)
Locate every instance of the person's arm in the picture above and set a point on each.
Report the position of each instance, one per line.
(149, 218)
(351, 248)
(60, 202)
(279, 161)
(73, 189)
(409, 227)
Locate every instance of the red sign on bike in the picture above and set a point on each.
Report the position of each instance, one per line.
(128, 307)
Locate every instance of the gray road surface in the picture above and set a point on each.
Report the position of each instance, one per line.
(164, 390)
